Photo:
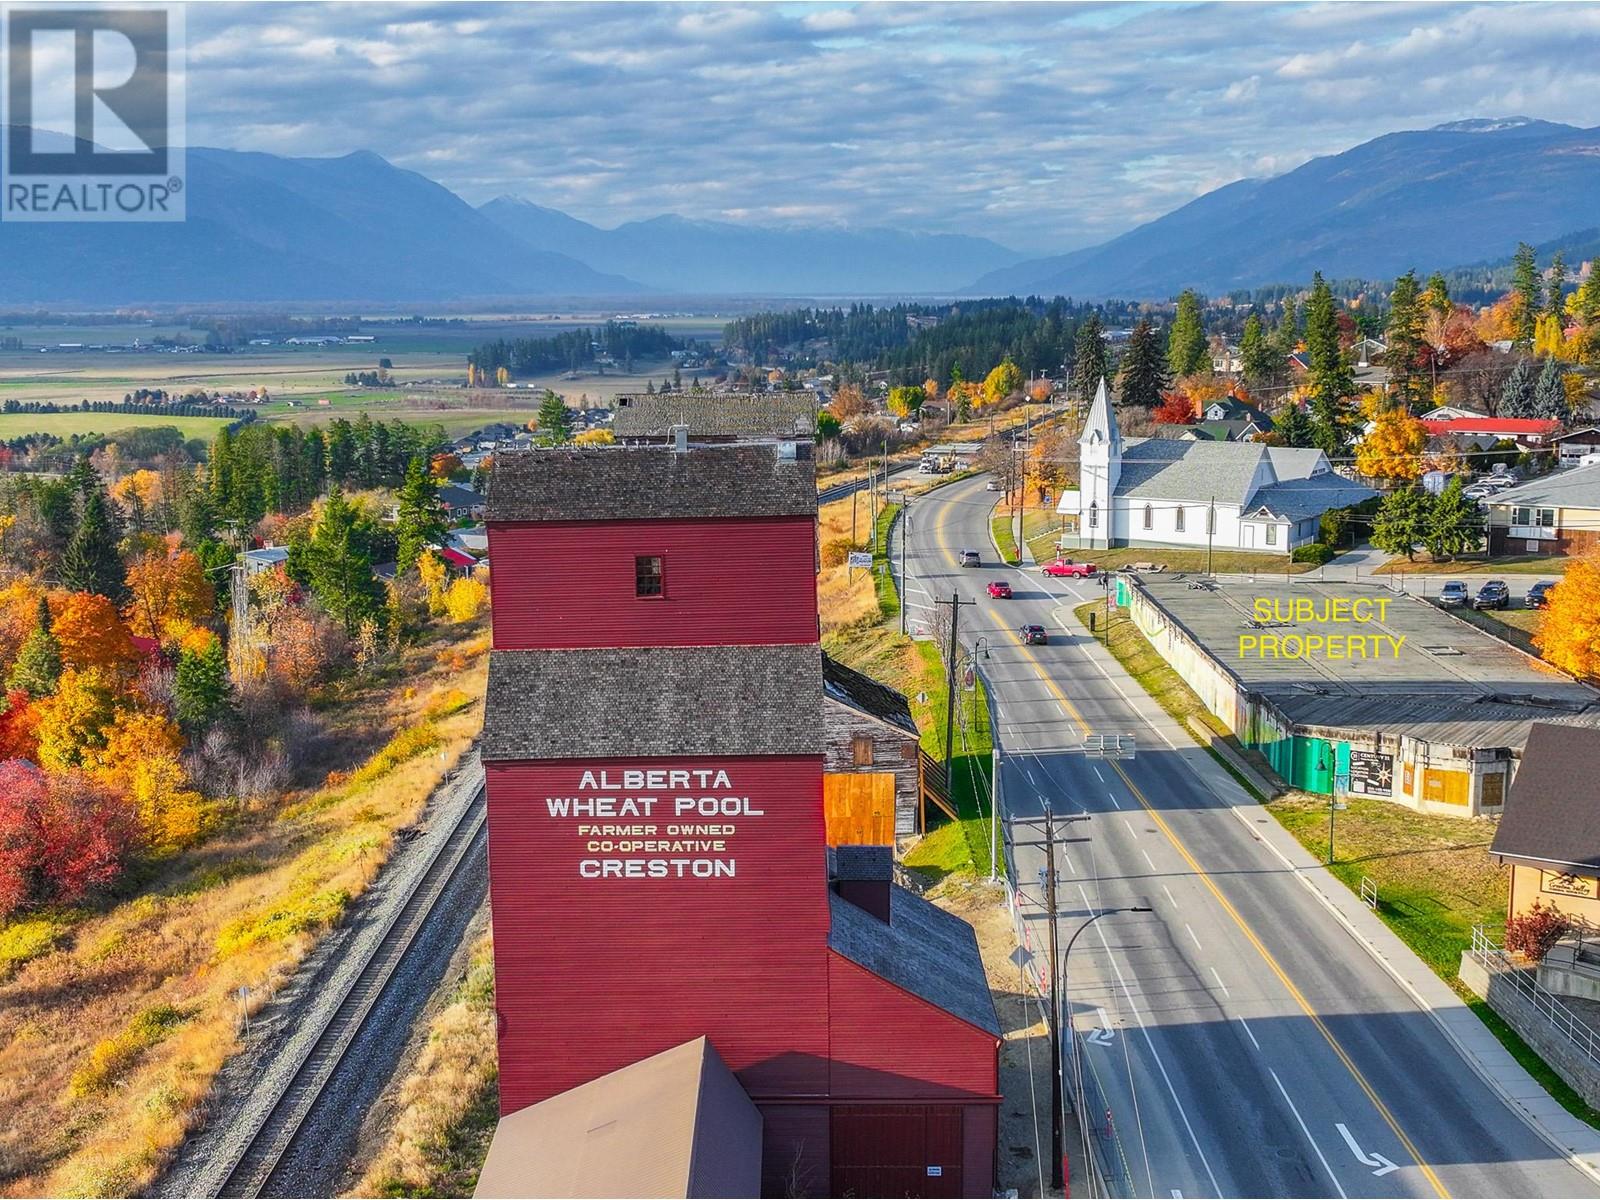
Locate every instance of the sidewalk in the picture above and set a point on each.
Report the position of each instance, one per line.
(1480, 1049)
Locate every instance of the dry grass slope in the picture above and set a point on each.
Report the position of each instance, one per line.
(111, 1034)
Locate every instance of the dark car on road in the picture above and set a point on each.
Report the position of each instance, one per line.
(1033, 635)
(1454, 594)
(1539, 594)
(1494, 594)
(999, 589)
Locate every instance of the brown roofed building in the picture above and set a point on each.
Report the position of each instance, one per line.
(715, 416)
(1549, 833)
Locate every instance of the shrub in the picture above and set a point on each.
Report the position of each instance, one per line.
(1537, 931)
(836, 551)
(111, 1057)
(1312, 552)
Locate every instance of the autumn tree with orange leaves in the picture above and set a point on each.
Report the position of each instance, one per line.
(91, 633)
(1569, 628)
(167, 593)
(1393, 447)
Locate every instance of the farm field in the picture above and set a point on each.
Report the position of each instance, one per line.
(65, 425)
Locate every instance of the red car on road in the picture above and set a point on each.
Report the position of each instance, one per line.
(1000, 590)
(1065, 567)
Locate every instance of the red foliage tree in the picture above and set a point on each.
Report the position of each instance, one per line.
(19, 727)
(1175, 409)
(61, 836)
(1536, 931)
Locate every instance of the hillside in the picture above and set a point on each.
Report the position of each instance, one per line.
(1461, 192)
(675, 254)
(264, 227)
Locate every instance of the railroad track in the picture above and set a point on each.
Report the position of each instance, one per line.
(253, 1162)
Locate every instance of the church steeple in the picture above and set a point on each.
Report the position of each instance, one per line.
(1100, 466)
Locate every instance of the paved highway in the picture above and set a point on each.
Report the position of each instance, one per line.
(1236, 1041)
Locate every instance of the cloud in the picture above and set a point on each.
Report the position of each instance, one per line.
(1042, 126)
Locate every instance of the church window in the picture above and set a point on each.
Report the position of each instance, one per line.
(1177, 518)
(1149, 517)
(1094, 514)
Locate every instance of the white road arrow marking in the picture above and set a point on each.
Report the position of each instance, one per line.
(1103, 1035)
(1383, 1165)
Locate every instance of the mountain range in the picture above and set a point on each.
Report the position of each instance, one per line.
(1462, 192)
(267, 228)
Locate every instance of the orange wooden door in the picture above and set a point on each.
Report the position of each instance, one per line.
(859, 809)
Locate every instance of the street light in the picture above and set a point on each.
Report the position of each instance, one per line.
(1058, 1170)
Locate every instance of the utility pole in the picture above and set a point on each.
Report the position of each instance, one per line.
(1057, 1116)
(955, 602)
(905, 536)
(854, 492)
(1211, 531)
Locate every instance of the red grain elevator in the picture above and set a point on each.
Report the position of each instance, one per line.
(653, 742)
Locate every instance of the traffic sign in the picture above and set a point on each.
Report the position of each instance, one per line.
(861, 558)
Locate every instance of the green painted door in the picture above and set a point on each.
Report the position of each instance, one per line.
(1313, 765)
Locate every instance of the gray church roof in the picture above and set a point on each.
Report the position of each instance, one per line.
(1297, 499)
(1199, 472)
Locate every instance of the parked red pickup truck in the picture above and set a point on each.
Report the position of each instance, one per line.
(1066, 568)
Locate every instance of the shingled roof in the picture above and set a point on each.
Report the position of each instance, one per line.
(716, 414)
(613, 483)
(1552, 816)
(867, 695)
(657, 701)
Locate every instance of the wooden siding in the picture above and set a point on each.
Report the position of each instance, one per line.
(886, 1043)
(859, 810)
(795, 1150)
(571, 583)
(842, 725)
(595, 973)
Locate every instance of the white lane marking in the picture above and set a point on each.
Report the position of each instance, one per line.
(1066, 859)
(1249, 1033)
(1384, 1165)
(1170, 900)
(1129, 824)
(1307, 1132)
(1194, 939)
(1147, 857)
(1149, 1042)
(1220, 984)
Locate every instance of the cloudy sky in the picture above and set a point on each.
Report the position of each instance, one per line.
(1042, 126)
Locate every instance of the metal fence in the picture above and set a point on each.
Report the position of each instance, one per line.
(1546, 1003)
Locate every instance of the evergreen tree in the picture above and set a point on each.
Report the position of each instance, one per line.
(1437, 296)
(341, 451)
(1329, 377)
(200, 687)
(1261, 360)
(38, 665)
(1089, 364)
(1186, 345)
(1401, 523)
(91, 561)
(1404, 332)
(1525, 288)
(1550, 392)
(314, 463)
(420, 517)
(1454, 523)
(1144, 370)
(1558, 281)
(338, 564)
(555, 421)
(1293, 425)
(1286, 333)
(1516, 398)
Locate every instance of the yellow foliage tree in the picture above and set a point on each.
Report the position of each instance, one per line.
(74, 720)
(1498, 323)
(141, 759)
(430, 569)
(1005, 380)
(595, 437)
(167, 593)
(466, 598)
(1393, 449)
(1569, 628)
(139, 492)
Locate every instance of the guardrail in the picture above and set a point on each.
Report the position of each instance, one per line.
(1547, 1004)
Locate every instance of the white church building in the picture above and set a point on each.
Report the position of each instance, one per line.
(1179, 493)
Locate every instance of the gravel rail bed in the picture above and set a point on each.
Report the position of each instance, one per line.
(283, 1033)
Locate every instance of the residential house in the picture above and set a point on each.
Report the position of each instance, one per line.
(873, 781)
(1549, 833)
(267, 558)
(1182, 493)
(1527, 432)
(461, 503)
(715, 416)
(1557, 513)
(1572, 446)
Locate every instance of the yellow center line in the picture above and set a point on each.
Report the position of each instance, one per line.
(1211, 886)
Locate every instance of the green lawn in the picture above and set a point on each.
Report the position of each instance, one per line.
(64, 425)
(1507, 564)
(1000, 526)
